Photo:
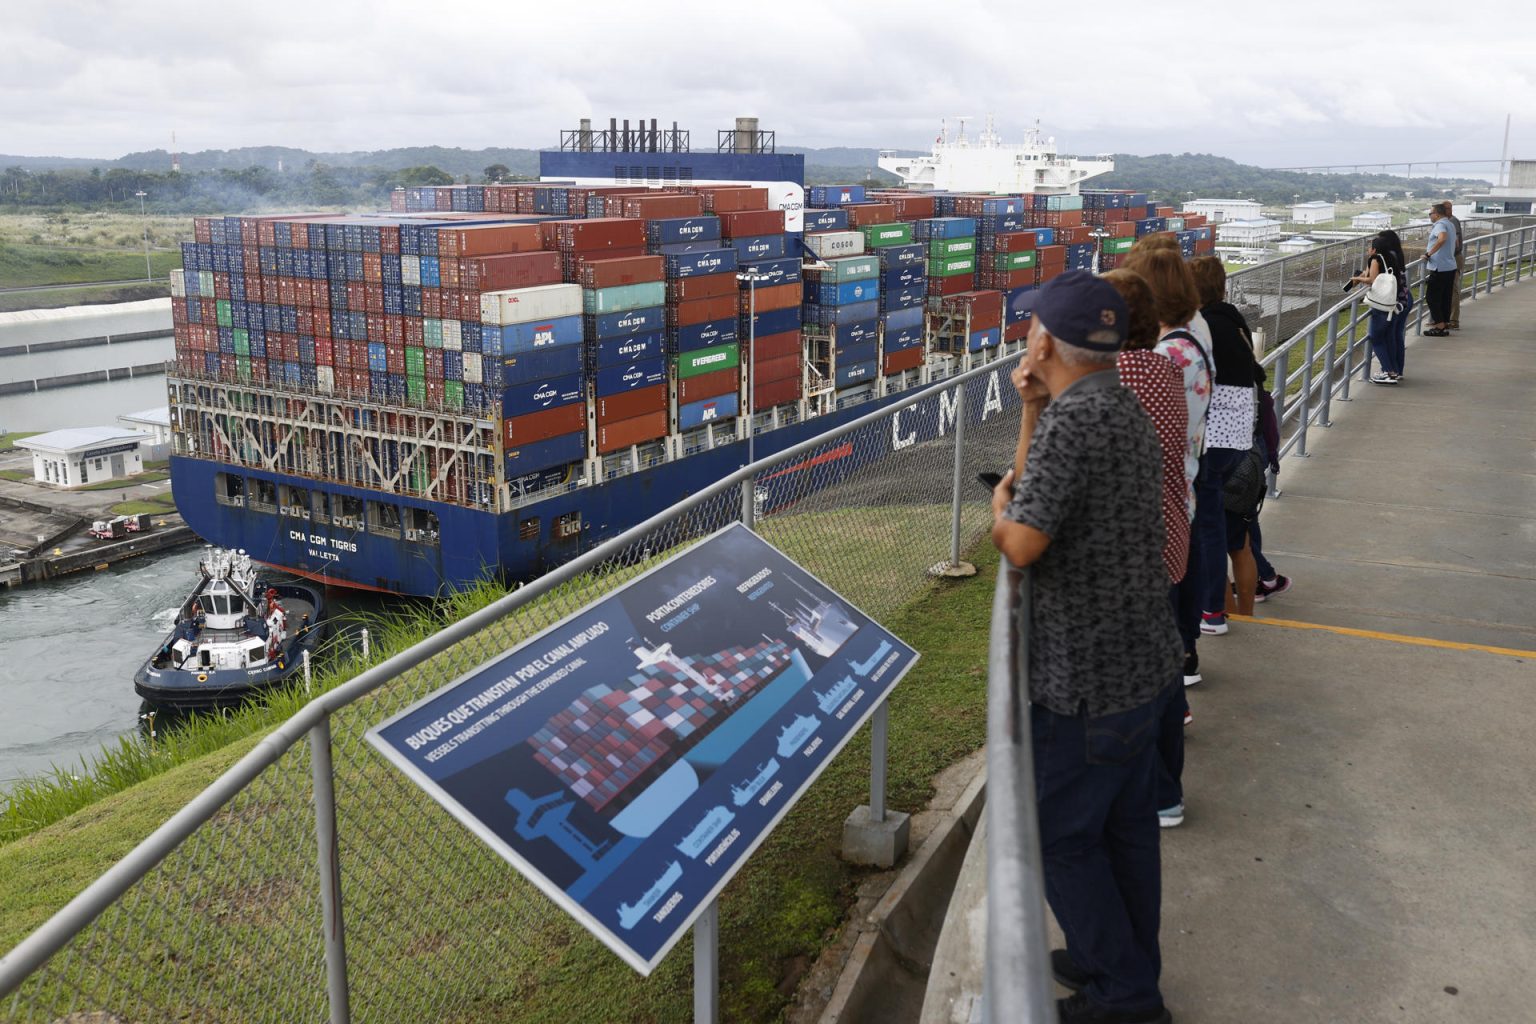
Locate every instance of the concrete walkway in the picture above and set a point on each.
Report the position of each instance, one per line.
(1360, 843)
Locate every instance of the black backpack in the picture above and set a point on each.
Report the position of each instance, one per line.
(1243, 494)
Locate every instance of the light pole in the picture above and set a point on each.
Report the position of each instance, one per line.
(144, 224)
(749, 486)
(1098, 235)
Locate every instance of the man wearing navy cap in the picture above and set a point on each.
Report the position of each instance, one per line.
(1103, 646)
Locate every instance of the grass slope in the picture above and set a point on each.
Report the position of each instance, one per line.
(427, 905)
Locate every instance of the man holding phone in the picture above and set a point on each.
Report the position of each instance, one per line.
(1084, 509)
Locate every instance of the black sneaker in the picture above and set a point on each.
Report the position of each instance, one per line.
(1191, 668)
(1079, 1009)
(1065, 970)
(1264, 591)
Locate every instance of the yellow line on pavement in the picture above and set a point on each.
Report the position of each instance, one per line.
(1397, 638)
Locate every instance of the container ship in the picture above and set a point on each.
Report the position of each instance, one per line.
(486, 380)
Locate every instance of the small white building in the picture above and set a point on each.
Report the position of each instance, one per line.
(1315, 212)
(1248, 232)
(84, 455)
(1298, 244)
(1373, 195)
(1221, 210)
(1374, 220)
(157, 424)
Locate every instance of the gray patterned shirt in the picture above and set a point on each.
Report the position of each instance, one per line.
(1102, 633)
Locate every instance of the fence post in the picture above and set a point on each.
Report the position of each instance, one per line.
(1326, 419)
(706, 965)
(956, 568)
(878, 742)
(1280, 301)
(330, 872)
(1305, 418)
(365, 643)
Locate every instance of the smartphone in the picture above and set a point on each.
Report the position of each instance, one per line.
(990, 480)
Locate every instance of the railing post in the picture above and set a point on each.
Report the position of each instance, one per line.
(1349, 349)
(748, 501)
(1305, 418)
(330, 872)
(1326, 419)
(1280, 301)
(706, 965)
(1520, 257)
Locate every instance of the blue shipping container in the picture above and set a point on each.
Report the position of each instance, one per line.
(858, 333)
(759, 247)
(904, 277)
(985, 339)
(902, 338)
(908, 317)
(542, 454)
(830, 315)
(672, 230)
(849, 374)
(777, 321)
(826, 220)
(894, 256)
(780, 271)
(701, 263)
(626, 322)
(902, 298)
(841, 294)
(631, 348)
(835, 195)
(521, 399)
(613, 380)
(708, 334)
(944, 227)
(541, 363)
(860, 352)
(696, 414)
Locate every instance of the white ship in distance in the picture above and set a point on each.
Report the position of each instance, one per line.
(985, 163)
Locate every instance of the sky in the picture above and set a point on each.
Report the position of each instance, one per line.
(1277, 85)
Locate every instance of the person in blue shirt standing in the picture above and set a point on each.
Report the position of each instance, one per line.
(1440, 256)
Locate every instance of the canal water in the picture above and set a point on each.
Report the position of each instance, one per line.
(85, 404)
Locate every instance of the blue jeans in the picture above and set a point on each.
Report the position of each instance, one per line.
(1400, 335)
(1211, 526)
(1169, 783)
(1256, 545)
(1382, 335)
(1099, 843)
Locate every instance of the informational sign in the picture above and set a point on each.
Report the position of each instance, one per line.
(630, 758)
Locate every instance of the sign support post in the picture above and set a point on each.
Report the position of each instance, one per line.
(706, 965)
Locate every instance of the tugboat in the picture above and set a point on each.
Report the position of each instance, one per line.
(235, 636)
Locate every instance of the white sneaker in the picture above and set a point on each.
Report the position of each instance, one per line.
(1171, 817)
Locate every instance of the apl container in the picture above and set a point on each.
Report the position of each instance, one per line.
(696, 414)
(513, 338)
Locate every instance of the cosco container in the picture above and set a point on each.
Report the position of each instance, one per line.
(610, 380)
(696, 414)
(523, 304)
(628, 349)
(623, 297)
(850, 268)
(831, 244)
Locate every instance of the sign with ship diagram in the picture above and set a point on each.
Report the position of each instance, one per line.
(630, 758)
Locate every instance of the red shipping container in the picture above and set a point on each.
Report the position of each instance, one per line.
(220, 286)
(432, 302)
(732, 198)
(544, 424)
(623, 433)
(708, 286)
(202, 230)
(951, 285)
(906, 359)
(487, 240)
(701, 311)
(413, 333)
(629, 404)
(983, 303)
(357, 299)
(611, 273)
(1052, 255)
(1005, 280)
(373, 298)
(434, 363)
(708, 385)
(767, 371)
(597, 233)
(359, 354)
(907, 205)
(862, 215)
(751, 223)
(772, 346)
(778, 296)
(452, 304)
(251, 262)
(306, 321)
(1044, 273)
(1074, 235)
(325, 352)
(1016, 331)
(178, 312)
(778, 392)
(1061, 218)
(373, 267)
(663, 205)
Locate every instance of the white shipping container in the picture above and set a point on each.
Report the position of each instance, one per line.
(178, 283)
(325, 379)
(472, 371)
(410, 270)
(828, 244)
(545, 302)
(453, 336)
(490, 308)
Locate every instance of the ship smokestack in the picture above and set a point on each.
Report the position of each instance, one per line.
(584, 136)
(746, 135)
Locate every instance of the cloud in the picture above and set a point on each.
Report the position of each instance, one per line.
(1303, 86)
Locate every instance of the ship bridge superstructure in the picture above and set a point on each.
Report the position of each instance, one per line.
(985, 163)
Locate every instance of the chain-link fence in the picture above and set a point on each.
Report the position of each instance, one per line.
(313, 877)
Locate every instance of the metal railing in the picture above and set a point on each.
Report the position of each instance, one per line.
(311, 880)
(1310, 368)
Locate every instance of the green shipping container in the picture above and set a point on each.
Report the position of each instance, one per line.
(622, 297)
(1116, 246)
(708, 360)
(877, 236)
(851, 268)
(415, 361)
(243, 366)
(951, 266)
(453, 394)
(242, 341)
(415, 390)
(205, 283)
(951, 247)
(1174, 223)
(1018, 260)
(1063, 202)
(221, 310)
(432, 332)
